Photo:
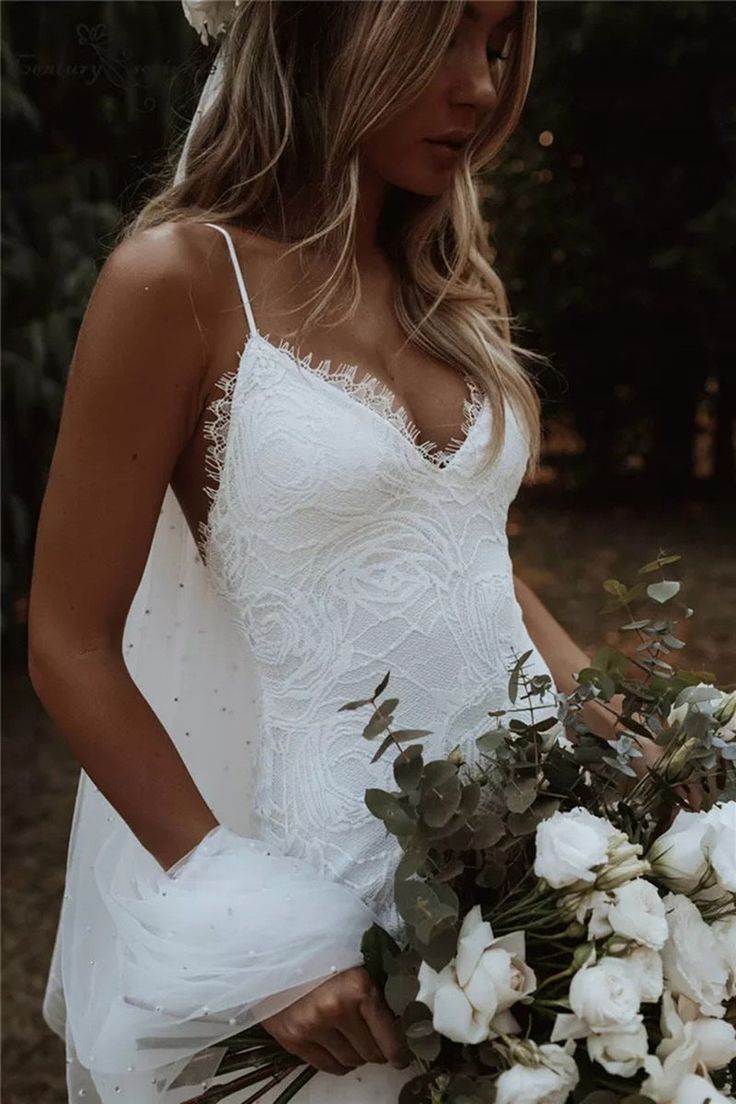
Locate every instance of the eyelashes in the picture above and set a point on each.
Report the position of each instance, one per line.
(492, 55)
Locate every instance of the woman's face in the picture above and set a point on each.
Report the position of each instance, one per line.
(406, 151)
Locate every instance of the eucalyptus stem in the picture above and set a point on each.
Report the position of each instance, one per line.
(217, 1093)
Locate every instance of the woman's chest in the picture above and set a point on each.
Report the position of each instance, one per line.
(301, 403)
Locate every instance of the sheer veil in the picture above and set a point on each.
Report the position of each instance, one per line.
(149, 966)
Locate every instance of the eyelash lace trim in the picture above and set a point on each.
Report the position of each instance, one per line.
(216, 432)
(375, 394)
(367, 389)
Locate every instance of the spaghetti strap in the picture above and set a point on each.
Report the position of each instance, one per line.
(239, 276)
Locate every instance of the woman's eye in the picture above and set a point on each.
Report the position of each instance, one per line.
(496, 55)
(492, 55)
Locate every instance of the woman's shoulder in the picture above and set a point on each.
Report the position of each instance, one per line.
(192, 254)
(169, 251)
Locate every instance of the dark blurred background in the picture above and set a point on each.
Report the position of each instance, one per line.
(613, 211)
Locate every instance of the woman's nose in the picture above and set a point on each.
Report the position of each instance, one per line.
(475, 86)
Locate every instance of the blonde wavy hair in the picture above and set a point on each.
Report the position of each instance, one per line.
(303, 83)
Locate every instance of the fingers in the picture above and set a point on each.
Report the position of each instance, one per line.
(382, 1025)
(358, 1034)
(341, 1024)
(315, 1055)
(341, 1048)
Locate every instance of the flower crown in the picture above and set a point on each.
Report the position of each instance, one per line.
(210, 18)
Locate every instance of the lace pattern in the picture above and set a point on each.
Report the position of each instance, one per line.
(215, 431)
(344, 550)
(365, 389)
(372, 392)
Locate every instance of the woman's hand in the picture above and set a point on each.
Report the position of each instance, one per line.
(603, 721)
(341, 1024)
(690, 792)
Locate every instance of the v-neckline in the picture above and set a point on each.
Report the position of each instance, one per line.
(396, 418)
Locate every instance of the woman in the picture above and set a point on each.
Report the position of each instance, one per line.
(347, 520)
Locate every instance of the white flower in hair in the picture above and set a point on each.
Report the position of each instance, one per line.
(209, 17)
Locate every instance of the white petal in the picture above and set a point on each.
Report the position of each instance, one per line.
(454, 1016)
(475, 935)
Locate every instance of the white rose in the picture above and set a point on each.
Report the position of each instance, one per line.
(646, 969)
(606, 997)
(698, 1090)
(666, 1076)
(638, 914)
(569, 845)
(209, 17)
(619, 1052)
(597, 902)
(677, 856)
(725, 932)
(551, 1082)
(711, 1043)
(693, 962)
(719, 843)
(474, 991)
(715, 1040)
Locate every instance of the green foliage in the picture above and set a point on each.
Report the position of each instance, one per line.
(613, 240)
(89, 103)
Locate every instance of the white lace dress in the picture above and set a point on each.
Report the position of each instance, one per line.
(344, 549)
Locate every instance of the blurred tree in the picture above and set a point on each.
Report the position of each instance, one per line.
(88, 99)
(614, 210)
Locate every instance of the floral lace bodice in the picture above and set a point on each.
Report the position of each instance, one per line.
(344, 549)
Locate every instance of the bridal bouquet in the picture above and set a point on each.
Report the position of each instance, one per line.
(570, 921)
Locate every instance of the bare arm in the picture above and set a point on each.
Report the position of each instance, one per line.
(130, 406)
(563, 656)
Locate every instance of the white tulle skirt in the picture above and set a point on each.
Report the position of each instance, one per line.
(152, 968)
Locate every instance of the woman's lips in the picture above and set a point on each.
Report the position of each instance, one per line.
(445, 150)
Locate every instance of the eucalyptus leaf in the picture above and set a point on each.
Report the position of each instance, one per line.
(374, 945)
(453, 869)
(663, 591)
(520, 795)
(488, 832)
(610, 661)
(407, 734)
(354, 704)
(439, 803)
(513, 688)
(408, 767)
(382, 685)
(438, 771)
(656, 565)
(400, 990)
(415, 1012)
(491, 741)
(441, 948)
(383, 748)
(493, 873)
(419, 904)
(423, 1040)
(522, 824)
(470, 799)
(386, 807)
(411, 862)
(378, 723)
